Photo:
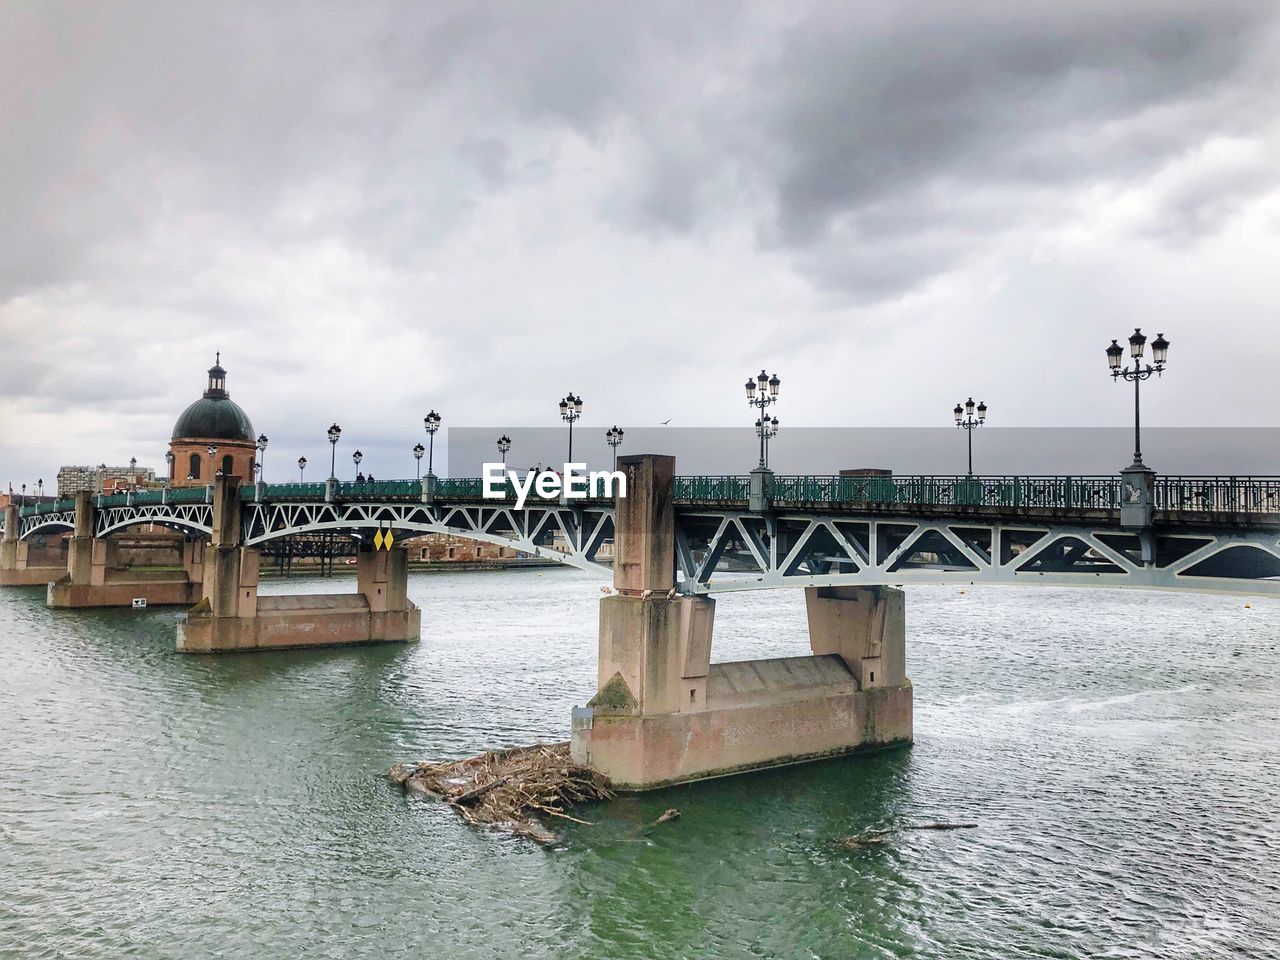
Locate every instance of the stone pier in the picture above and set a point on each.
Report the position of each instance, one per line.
(232, 617)
(23, 564)
(94, 579)
(664, 713)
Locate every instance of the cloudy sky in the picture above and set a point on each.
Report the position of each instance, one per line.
(372, 209)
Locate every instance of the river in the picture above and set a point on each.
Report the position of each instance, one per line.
(1120, 752)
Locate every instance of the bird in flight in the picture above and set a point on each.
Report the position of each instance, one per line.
(665, 422)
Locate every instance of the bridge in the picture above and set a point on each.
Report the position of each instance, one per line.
(1214, 534)
(663, 712)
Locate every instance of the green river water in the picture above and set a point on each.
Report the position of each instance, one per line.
(1119, 751)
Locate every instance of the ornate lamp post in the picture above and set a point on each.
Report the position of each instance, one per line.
(418, 451)
(431, 423)
(966, 420)
(1137, 373)
(262, 451)
(762, 391)
(613, 436)
(335, 433)
(356, 458)
(133, 473)
(302, 469)
(40, 488)
(504, 444)
(570, 412)
(168, 475)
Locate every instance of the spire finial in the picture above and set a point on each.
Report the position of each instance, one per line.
(217, 358)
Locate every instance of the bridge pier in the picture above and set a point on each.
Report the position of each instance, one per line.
(664, 713)
(233, 617)
(18, 568)
(92, 579)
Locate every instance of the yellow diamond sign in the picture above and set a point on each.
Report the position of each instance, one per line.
(377, 540)
(387, 540)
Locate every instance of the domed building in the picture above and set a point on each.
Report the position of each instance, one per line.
(212, 422)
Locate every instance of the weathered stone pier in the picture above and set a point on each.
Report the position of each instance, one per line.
(665, 713)
(232, 617)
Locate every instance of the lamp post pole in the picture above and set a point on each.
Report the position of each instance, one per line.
(762, 390)
(504, 444)
(418, 451)
(1137, 373)
(335, 432)
(431, 423)
(613, 436)
(965, 419)
(262, 453)
(302, 469)
(356, 458)
(570, 412)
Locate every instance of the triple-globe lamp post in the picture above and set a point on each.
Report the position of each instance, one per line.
(966, 420)
(335, 434)
(762, 391)
(613, 437)
(1137, 373)
(431, 423)
(570, 412)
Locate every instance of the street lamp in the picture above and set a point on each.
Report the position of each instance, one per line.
(762, 390)
(356, 458)
(168, 459)
(431, 423)
(1137, 373)
(213, 452)
(418, 451)
(302, 469)
(613, 437)
(40, 488)
(262, 450)
(504, 444)
(766, 429)
(335, 433)
(965, 418)
(570, 411)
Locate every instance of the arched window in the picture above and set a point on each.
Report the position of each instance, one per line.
(194, 469)
(226, 465)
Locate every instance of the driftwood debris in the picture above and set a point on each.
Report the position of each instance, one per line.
(880, 835)
(509, 789)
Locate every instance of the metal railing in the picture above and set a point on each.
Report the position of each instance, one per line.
(1174, 493)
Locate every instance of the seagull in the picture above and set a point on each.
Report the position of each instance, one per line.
(665, 422)
(646, 595)
(671, 594)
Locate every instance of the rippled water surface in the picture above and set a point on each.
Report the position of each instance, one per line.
(1119, 752)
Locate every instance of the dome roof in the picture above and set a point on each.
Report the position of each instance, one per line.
(214, 416)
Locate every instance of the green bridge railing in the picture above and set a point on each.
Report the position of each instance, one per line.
(1173, 493)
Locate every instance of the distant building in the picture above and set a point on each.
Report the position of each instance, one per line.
(214, 422)
(102, 479)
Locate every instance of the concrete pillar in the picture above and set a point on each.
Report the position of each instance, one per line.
(865, 626)
(663, 713)
(9, 542)
(232, 617)
(94, 580)
(644, 536)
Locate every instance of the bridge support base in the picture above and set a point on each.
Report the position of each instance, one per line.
(664, 714)
(234, 618)
(91, 581)
(19, 569)
(20, 564)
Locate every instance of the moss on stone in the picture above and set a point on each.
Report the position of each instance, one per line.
(614, 697)
(202, 607)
